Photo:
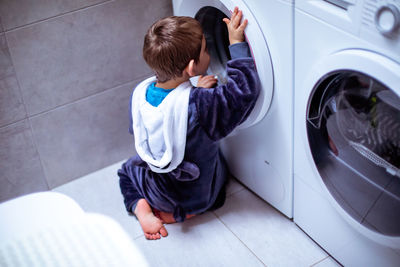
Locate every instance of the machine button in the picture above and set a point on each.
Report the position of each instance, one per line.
(387, 20)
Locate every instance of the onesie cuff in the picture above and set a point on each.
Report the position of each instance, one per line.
(239, 50)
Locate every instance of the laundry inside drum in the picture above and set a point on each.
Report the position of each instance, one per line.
(217, 38)
(353, 127)
(368, 118)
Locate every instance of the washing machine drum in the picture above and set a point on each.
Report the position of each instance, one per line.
(354, 133)
(217, 38)
(210, 14)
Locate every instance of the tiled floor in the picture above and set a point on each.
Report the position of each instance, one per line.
(246, 231)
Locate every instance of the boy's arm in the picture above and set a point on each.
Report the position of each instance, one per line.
(224, 107)
(221, 109)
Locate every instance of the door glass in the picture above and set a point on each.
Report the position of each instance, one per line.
(353, 127)
(217, 38)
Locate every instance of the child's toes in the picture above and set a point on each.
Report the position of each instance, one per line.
(154, 236)
(163, 231)
(149, 236)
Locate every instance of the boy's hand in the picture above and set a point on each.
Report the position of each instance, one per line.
(206, 81)
(235, 27)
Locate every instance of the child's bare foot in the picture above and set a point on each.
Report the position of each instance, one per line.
(151, 225)
(168, 218)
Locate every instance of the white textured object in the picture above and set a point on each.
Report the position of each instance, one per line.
(50, 229)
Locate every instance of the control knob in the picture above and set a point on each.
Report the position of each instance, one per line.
(387, 20)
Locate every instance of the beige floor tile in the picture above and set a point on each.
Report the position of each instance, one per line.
(276, 240)
(200, 241)
(99, 192)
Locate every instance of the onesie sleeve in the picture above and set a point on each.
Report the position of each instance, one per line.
(239, 50)
(224, 107)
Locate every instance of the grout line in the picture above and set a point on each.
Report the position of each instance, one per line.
(242, 186)
(244, 244)
(327, 253)
(55, 16)
(89, 96)
(327, 257)
(319, 261)
(73, 102)
(38, 154)
(235, 192)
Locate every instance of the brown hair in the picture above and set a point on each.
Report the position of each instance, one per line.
(170, 44)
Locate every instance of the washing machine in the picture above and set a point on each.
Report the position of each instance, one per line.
(347, 128)
(260, 151)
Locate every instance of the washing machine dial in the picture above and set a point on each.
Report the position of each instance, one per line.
(387, 20)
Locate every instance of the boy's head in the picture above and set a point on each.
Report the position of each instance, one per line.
(170, 44)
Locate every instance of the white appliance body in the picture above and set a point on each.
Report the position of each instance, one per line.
(334, 39)
(259, 153)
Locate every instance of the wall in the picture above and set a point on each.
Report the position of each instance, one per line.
(67, 69)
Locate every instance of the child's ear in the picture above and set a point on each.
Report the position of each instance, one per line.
(190, 68)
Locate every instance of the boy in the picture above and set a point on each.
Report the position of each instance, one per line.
(179, 171)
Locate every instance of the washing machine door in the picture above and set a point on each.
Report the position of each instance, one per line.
(353, 129)
(210, 14)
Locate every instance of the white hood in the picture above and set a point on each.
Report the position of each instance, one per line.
(160, 132)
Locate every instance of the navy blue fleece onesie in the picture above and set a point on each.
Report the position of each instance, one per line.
(198, 183)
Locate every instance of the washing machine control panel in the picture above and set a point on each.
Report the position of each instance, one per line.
(382, 16)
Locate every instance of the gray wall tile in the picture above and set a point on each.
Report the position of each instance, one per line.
(16, 13)
(20, 169)
(6, 65)
(61, 71)
(11, 104)
(73, 56)
(82, 137)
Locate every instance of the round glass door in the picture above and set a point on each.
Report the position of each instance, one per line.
(210, 14)
(353, 129)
